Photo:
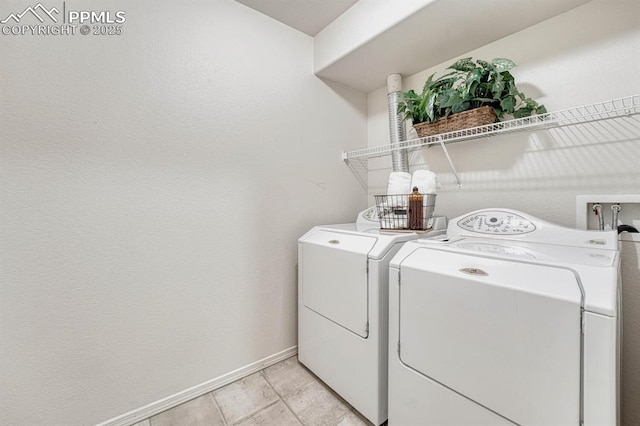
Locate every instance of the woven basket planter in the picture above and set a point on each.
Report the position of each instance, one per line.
(458, 121)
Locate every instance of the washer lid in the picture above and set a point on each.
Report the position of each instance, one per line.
(597, 269)
(504, 334)
(509, 270)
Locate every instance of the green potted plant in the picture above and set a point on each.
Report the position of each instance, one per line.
(472, 94)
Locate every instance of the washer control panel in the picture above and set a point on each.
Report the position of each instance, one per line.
(496, 222)
(507, 224)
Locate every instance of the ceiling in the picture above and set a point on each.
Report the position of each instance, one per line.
(308, 16)
(360, 43)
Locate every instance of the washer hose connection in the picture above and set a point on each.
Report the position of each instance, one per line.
(614, 218)
(597, 208)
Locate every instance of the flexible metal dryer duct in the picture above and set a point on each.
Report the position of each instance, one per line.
(399, 159)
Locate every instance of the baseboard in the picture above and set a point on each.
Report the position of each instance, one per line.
(139, 414)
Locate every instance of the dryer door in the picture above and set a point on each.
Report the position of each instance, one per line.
(501, 333)
(334, 281)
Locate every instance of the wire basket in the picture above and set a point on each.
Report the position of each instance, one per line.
(398, 213)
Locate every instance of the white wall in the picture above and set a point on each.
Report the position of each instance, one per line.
(587, 55)
(153, 186)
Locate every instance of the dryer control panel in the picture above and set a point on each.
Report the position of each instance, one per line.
(496, 222)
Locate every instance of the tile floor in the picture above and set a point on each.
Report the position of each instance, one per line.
(284, 394)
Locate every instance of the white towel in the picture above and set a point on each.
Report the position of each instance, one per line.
(398, 188)
(425, 180)
(399, 183)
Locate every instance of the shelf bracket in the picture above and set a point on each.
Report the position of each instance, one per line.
(446, 153)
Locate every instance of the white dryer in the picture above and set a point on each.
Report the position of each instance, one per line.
(505, 320)
(343, 273)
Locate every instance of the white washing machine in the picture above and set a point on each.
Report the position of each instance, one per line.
(506, 320)
(343, 273)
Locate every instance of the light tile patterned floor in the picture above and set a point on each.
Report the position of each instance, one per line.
(285, 394)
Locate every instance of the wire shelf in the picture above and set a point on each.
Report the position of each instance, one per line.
(614, 108)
